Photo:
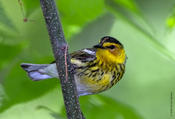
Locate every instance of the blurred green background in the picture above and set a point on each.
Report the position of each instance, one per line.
(145, 27)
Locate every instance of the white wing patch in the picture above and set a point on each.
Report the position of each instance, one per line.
(89, 51)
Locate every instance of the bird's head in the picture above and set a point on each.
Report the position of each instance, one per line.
(110, 50)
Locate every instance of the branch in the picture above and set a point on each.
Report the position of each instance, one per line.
(64, 68)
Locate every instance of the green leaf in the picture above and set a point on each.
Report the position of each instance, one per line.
(8, 53)
(74, 17)
(77, 13)
(19, 88)
(29, 6)
(33, 109)
(171, 20)
(2, 94)
(6, 38)
(133, 14)
(102, 107)
(4, 20)
(128, 4)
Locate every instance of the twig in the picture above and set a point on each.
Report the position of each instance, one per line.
(64, 67)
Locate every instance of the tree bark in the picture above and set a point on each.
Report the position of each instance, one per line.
(60, 50)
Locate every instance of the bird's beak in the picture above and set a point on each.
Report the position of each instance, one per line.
(98, 46)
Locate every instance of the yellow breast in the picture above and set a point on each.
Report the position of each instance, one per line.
(96, 83)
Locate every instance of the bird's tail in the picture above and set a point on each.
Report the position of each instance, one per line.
(37, 71)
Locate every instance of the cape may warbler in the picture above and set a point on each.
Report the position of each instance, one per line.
(96, 69)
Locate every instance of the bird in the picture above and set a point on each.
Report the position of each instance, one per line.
(96, 69)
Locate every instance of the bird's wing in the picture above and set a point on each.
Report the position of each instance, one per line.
(84, 55)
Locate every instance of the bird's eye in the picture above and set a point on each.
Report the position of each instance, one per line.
(111, 46)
